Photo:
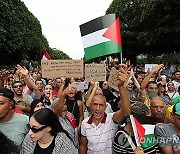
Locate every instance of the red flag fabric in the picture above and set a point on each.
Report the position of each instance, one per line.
(71, 119)
(46, 56)
(114, 32)
(140, 130)
(128, 63)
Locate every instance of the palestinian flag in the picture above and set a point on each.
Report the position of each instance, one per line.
(46, 55)
(143, 128)
(101, 36)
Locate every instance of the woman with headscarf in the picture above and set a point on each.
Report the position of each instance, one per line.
(37, 104)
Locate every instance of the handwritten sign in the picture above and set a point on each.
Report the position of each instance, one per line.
(57, 68)
(112, 81)
(96, 71)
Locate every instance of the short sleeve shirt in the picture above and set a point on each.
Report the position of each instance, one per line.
(16, 128)
(166, 136)
(99, 137)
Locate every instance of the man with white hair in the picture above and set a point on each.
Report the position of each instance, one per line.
(97, 131)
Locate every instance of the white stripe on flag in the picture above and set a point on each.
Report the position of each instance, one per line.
(94, 38)
(149, 129)
(134, 130)
(44, 57)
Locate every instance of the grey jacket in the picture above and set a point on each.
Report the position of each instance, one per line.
(63, 145)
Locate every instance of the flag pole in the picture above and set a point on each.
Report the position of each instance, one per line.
(121, 57)
(135, 130)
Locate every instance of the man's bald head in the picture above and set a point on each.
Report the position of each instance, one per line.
(99, 96)
(158, 107)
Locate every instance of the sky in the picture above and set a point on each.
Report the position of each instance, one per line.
(60, 20)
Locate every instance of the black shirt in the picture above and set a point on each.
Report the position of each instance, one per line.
(72, 106)
(48, 150)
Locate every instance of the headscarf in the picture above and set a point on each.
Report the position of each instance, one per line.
(33, 105)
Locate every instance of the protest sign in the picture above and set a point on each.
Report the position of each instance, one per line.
(112, 81)
(149, 67)
(57, 68)
(96, 71)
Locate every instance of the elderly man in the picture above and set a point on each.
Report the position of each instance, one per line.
(97, 131)
(168, 135)
(158, 109)
(12, 125)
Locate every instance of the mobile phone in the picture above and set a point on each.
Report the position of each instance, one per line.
(81, 85)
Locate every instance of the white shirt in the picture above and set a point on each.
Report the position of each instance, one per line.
(100, 138)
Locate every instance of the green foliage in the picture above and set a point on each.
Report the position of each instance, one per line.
(21, 38)
(57, 54)
(148, 26)
(20, 33)
(172, 58)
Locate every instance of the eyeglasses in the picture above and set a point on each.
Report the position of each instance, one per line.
(20, 86)
(35, 130)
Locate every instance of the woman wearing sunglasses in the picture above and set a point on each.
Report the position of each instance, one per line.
(46, 135)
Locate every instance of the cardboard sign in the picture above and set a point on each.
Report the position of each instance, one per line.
(149, 67)
(96, 71)
(112, 81)
(57, 68)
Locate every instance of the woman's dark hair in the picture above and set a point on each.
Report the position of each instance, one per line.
(15, 83)
(78, 96)
(48, 118)
(33, 105)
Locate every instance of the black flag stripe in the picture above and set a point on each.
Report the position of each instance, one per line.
(97, 24)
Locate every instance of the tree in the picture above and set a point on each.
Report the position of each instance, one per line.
(20, 34)
(148, 26)
(57, 54)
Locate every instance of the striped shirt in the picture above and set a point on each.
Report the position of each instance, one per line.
(121, 144)
(99, 137)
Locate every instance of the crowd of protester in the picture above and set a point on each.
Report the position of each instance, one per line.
(40, 115)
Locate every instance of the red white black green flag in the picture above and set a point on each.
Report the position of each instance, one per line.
(101, 36)
(143, 128)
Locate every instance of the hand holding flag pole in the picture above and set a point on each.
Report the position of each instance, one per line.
(135, 130)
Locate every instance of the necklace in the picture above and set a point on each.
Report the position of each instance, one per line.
(46, 142)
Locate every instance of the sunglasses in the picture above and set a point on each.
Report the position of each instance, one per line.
(130, 84)
(20, 86)
(35, 130)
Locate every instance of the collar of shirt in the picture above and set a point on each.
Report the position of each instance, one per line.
(102, 121)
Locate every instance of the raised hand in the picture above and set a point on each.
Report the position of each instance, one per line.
(93, 81)
(22, 71)
(63, 78)
(96, 84)
(4, 75)
(70, 89)
(157, 67)
(122, 74)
